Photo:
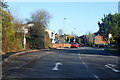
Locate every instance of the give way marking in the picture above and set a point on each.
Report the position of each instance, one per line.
(111, 66)
(56, 66)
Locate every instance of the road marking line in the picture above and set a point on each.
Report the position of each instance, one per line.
(85, 64)
(56, 66)
(79, 56)
(112, 65)
(96, 77)
(1, 62)
(115, 70)
(47, 52)
(82, 61)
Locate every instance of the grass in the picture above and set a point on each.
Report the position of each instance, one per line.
(114, 51)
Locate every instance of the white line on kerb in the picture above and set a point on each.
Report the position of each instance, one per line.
(96, 77)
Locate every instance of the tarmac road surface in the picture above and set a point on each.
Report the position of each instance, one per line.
(80, 63)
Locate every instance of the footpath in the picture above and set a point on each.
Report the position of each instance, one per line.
(8, 56)
(17, 62)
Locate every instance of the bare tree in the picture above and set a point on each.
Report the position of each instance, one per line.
(40, 19)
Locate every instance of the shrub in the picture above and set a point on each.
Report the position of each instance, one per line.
(113, 46)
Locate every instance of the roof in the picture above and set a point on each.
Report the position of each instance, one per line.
(50, 30)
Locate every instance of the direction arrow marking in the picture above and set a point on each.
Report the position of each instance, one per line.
(56, 66)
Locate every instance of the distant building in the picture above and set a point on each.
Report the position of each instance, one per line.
(50, 32)
(119, 7)
(83, 39)
(99, 40)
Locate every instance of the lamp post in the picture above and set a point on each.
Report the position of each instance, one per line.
(74, 34)
(64, 30)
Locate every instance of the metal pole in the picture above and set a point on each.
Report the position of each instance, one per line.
(24, 40)
(64, 31)
(74, 35)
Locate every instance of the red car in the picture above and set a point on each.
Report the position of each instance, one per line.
(74, 45)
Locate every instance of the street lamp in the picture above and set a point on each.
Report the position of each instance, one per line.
(64, 30)
(74, 34)
(25, 32)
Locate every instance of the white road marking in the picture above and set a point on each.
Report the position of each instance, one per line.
(56, 66)
(112, 65)
(1, 62)
(96, 77)
(85, 65)
(79, 56)
(115, 70)
(17, 67)
(47, 52)
(82, 61)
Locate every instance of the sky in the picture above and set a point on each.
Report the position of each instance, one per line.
(81, 17)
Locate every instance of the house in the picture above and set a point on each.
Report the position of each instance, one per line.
(98, 39)
(83, 38)
(51, 35)
(50, 32)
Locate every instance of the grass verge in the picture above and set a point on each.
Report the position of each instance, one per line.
(113, 51)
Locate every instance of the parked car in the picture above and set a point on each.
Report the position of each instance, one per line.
(81, 45)
(74, 45)
(101, 45)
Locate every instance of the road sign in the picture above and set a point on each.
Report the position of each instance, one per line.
(25, 31)
(110, 35)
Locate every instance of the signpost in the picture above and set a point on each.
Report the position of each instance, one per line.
(109, 36)
(25, 32)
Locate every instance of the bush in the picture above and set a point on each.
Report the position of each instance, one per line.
(47, 41)
(113, 46)
(9, 42)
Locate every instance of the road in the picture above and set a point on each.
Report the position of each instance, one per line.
(80, 63)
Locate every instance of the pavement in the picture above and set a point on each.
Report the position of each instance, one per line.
(8, 56)
(68, 63)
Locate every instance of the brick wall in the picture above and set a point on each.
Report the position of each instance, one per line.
(57, 45)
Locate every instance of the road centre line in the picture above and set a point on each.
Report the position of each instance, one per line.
(79, 56)
(1, 62)
(85, 65)
(82, 61)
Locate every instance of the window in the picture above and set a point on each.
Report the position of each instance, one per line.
(52, 34)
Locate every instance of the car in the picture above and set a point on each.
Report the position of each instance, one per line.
(81, 45)
(101, 45)
(74, 45)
